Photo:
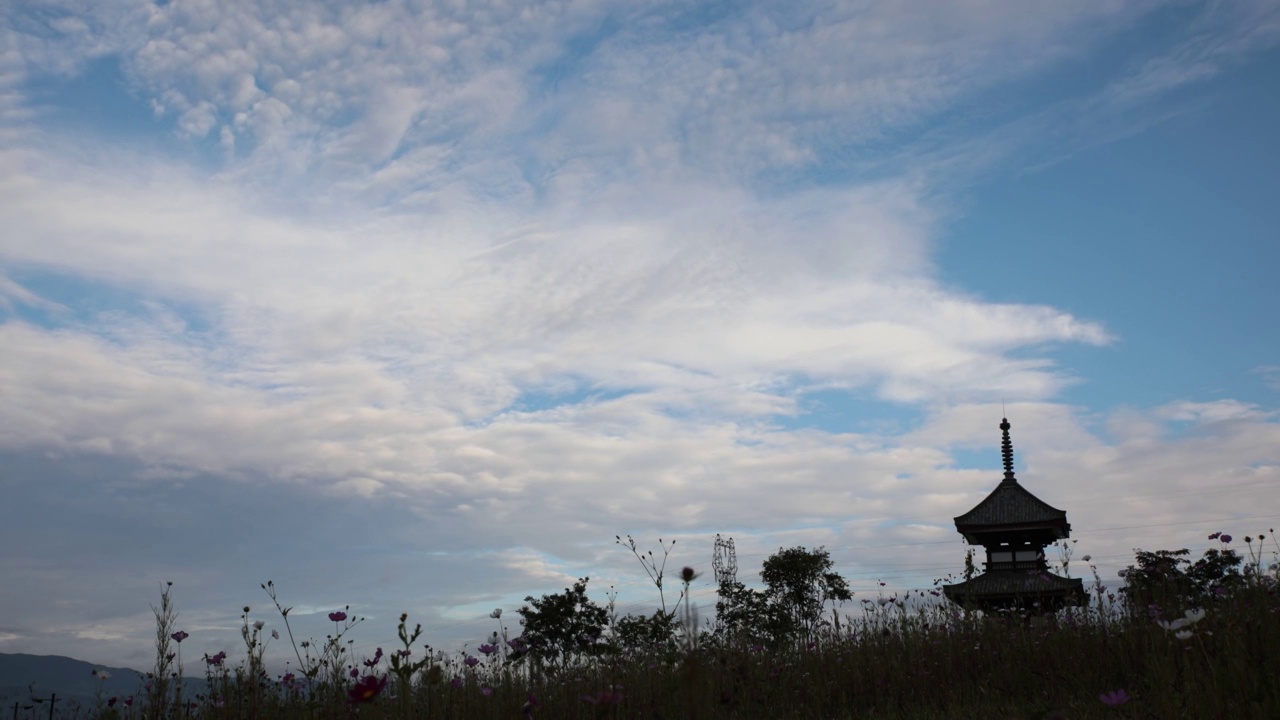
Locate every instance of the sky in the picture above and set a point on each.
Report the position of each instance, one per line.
(414, 306)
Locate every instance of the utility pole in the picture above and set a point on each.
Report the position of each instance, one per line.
(52, 700)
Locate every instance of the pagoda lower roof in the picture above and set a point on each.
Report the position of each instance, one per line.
(1012, 584)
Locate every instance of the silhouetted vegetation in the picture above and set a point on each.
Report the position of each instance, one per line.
(1183, 638)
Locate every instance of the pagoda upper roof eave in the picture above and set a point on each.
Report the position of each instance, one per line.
(1008, 505)
(1059, 524)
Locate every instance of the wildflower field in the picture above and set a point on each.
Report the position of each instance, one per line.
(1179, 639)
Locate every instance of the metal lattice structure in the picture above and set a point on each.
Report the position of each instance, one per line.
(724, 561)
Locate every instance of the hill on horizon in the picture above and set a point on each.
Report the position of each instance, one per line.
(23, 676)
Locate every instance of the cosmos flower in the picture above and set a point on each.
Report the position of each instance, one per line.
(337, 616)
(367, 688)
(1115, 698)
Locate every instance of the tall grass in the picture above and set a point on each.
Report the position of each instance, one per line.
(909, 656)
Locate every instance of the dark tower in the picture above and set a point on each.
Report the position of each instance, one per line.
(1014, 527)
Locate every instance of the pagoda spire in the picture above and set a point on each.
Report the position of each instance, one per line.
(1006, 449)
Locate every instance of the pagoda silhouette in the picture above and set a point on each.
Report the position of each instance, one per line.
(1014, 526)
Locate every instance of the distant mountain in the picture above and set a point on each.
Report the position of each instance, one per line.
(71, 679)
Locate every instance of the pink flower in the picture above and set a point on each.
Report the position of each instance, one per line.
(1225, 538)
(337, 616)
(486, 691)
(179, 636)
(488, 649)
(472, 661)
(456, 682)
(216, 660)
(111, 701)
(367, 688)
(1215, 535)
(1115, 698)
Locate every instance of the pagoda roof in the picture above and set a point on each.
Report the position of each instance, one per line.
(1007, 585)
(1011, 506)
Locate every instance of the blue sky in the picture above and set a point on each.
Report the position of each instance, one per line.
(415, 306)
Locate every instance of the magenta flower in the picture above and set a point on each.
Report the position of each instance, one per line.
(529, 704)
(179, 636)
(367, 688)
(488, 649)
(456, 682)
(111, 702)
(1215, 535)
(1225, 538)
(486, 691)
(1115, 698)
(337, 616)
(472, 661)
(216, 660)
(377, 658)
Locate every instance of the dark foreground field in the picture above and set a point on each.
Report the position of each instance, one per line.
(1174, 645)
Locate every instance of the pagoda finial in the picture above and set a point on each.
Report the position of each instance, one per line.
(1006, 449)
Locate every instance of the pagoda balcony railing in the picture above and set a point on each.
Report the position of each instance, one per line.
(1027, 565)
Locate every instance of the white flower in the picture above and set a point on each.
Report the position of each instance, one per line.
(275, 634)
(1174, 625)
(1183, 634)
(883, 601)
(102, 674)
(259, 625)
(1194, 616)
(1087, 558)
(497, 613)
